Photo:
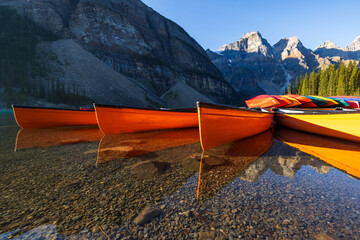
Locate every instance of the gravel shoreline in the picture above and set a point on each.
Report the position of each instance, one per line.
(61, 193)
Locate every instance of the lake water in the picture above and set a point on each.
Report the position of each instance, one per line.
(73, 183)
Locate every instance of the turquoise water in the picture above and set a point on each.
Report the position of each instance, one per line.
(55, 184)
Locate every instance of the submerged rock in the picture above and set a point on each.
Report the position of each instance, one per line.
(147, 214)
(323, 236)
(148, 169)
(206, 235)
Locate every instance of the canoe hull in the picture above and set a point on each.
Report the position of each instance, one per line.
(219, 124)
(113, 119)
(34, 117)
(344, 125)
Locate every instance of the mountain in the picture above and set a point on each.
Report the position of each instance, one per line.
(330, 49)
(294, 57)
(334, 54)
(354, 46)
(150, 51)
(251, 42)
(252, 66)
(328, 45)
(101, 83)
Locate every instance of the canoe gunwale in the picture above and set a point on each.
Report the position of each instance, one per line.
(222, 107)
(317, 112)
(191, 110)
(49, 108)
(228, 115)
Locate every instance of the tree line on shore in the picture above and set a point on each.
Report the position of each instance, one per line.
(332, 81)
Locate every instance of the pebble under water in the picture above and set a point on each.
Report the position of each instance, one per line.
(74, 183)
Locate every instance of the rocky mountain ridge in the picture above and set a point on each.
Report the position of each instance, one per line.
(252, 63)
(151, 51)
(327, 44)
(354, 46)
(161, 61)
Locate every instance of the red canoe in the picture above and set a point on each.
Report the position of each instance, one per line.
(117, 119)
(263, 101)
(352, 104)
(38, 117)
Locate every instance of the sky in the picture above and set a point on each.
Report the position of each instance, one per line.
(213, 23)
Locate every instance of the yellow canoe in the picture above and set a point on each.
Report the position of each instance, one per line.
(339, 153)
(333, 123)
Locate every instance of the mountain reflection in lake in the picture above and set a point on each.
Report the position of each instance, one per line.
(251, 188)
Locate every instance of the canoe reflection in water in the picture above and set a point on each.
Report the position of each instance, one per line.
(48, 137)
(222, 164)
(341, 154)
(115, 146)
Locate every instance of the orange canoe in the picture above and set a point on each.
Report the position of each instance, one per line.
(341, 154)
(38, 117)
(220, 124)
(117, 119)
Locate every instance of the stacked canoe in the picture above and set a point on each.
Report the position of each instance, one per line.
(299, 101)
(335, 116)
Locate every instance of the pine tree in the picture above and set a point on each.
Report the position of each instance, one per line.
(317, 81)
(331, 90)
(301, 80)
(348, 71)
(305, 85)
(289, 89)
(42, 93)
(312, 83)
(352, 82)
(296, 86)
(323, 82)
(53, 92)
(341, 87)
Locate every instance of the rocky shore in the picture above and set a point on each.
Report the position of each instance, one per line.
(61, 193)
